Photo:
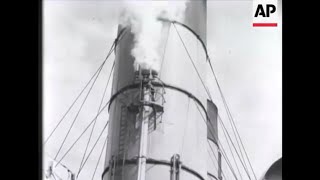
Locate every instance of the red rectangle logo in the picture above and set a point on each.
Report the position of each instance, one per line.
(264, 24)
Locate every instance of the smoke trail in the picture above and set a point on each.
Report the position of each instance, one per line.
(142, 16)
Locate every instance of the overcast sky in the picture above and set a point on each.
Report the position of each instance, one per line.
(247, 60)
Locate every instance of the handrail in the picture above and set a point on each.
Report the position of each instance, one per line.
(157, 84)
(211, 175)
(157, 162)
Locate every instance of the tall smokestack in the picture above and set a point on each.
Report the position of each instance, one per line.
(156, 130)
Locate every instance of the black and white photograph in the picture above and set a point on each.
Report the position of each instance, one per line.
(161, 90)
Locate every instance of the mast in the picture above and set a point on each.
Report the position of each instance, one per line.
(144, 133)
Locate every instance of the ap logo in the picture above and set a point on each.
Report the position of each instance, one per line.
(265, 13)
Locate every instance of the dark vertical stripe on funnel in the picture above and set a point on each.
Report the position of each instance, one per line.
(212, 127)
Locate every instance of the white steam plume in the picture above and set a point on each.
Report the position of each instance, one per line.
(142, 16)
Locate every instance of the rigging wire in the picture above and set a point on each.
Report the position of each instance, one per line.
(224, 129)
(50, 157)
(164, 50)
(104, 145)
(83, 133)
(193, 65)
(73, 104)
(227, 110)
(234, 159)
(225, 103)
(231, 117)
(96, 76)
(55, 174)
(53, 177)
(216, 168)
(92, 148)
(223, 151)
(104, 92)
(204, 85)
(185, 127)
(219, 143)
(119, 37)
(196, 71)
(75, 118)
(117, 40)
(225, 157)
(227, 161)
(214, 163)
(192, 62)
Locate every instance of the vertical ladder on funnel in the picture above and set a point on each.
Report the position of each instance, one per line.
(122, 140)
